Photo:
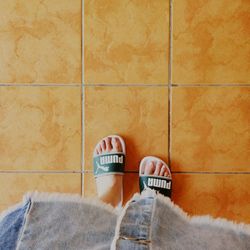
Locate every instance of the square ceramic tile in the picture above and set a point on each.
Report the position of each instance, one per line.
(14, 186)
(211, 42)
(130, 186)
(138, 114)
(225, 196)
(210, 129)
(126, 41)
(89, 185)
(40, 41)
(40, 128)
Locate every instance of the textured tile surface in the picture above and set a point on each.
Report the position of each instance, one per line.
(40, 41)
(224, 196)
(126, 41)
(89, 185)
(40, 128)
(211, 42)
(210, 129)
(14, 186)
(130, 185)
(138, 114)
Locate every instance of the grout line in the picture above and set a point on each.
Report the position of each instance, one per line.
(82, 104)
(82, 144)
(210, 85)
(164, 84)
(124, 84)
(88, 171)
(214, 173)
(40, 171)
(170, 42)
(126, 172)
(188, 172)
(170, 81)
(41, 85)
(82, 140)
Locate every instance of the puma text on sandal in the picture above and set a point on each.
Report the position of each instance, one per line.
(109, 163)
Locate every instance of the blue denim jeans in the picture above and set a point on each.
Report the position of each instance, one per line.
(11, 225)
(148, 221)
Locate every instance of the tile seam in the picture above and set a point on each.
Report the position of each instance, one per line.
(212, 173)
(210, 85)
(82, 101)
(170, 80)
(127, 85)
(165, 84)
(40, 85)
(186, 172)
(83, 140)
(39, 172)
(126, 172)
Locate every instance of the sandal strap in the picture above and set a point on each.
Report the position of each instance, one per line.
(163, 185)
(106, 164)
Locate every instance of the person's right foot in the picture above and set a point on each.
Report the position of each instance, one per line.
(109, 187)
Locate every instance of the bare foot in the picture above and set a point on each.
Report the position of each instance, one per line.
(155, 174)
(110, 186)
(155, 168)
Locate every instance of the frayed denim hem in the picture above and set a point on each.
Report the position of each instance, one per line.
(11, 225)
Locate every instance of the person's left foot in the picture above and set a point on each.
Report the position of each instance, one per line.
(155, 168)
(155, 174)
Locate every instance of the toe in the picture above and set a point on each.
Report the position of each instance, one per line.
(116, 144)
(158, 168)
(149, 168)
(99, 148)
(167, 173)
(163, 170)
(108, 144)
(103, 145)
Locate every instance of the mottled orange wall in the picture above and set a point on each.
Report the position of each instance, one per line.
(172, 78)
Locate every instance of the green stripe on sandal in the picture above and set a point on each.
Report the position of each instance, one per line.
(162, 185)
(105, 164)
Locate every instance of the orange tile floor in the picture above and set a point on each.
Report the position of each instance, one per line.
(171, 77)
